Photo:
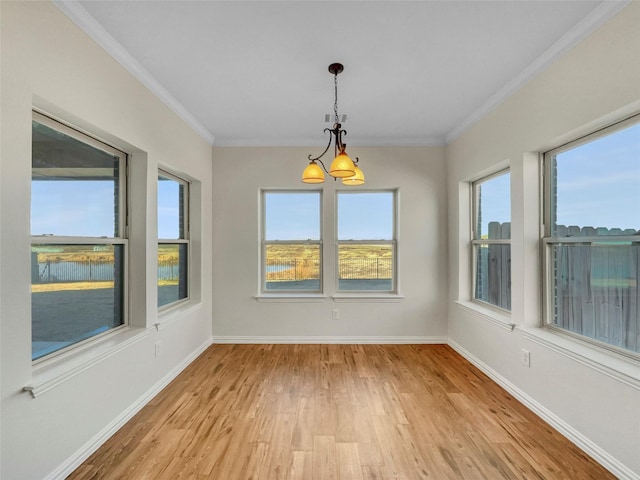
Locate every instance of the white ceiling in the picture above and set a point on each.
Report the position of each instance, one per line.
(255, 73)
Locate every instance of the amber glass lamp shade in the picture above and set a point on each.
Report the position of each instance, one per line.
(342, 166)
(357, 179)
(313, 173)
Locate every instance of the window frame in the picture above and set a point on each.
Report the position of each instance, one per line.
(476, 241)
(264, 243)
(120, 237)
(393, 243)
(549, 239)
(186, 235)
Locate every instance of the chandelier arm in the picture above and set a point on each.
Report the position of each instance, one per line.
(325, 150)
(322, 165)
(340, 146)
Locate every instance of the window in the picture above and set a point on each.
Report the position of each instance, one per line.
(292, 242)
(366, 246)
(173, 238)
(491, 242)
(78, 243)
(592, 237)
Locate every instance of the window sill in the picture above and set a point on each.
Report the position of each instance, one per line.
(617, 366)
(367, 297)
(291, 297)
(51, 373)
(175, 312)
(502, 320)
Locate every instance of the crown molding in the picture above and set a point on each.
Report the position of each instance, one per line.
(582, 30)
(313, 142)
(82, 18)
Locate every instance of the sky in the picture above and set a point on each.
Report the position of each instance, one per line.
(365, 216)
(168, 209)
(86, 208)
(72, 208)
(495, 201)
(598, 186)
(292, 216)
(296, 216)
(599, 182)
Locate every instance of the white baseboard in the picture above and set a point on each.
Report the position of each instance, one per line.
(329, 340)
(601, 456)
(73, 462)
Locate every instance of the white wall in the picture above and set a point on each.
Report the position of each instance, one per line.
(592, 85)
(419, 175)
(47, 62)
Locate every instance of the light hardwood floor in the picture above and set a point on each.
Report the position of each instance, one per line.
(331, 412)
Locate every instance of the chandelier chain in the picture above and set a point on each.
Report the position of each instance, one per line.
(335, 103)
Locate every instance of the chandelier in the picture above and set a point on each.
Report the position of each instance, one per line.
(342, 166)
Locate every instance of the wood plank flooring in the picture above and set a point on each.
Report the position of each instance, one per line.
(329, 412)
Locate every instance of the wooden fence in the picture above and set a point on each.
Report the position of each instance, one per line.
(595, 283)
(596, 286)
(493, 267)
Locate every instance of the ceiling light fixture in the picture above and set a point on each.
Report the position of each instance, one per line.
(342, 166)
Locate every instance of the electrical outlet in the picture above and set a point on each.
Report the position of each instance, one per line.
(335, 314)
(526, 357)
(158, 348)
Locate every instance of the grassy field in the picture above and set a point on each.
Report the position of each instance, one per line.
(75, 255)
(356, 261)
(299, 262)
(168, 254)
(286, 252)
(83, 253)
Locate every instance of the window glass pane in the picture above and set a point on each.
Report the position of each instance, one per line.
(292, 267)
(595, 186)
(170, 208)
(492, 222)
(493, 274)
(172, 272)
(74, 188)
(292, 216)
(596, 292)
(365, 216)
(493, 207)
(365, 267)
(76, 293)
